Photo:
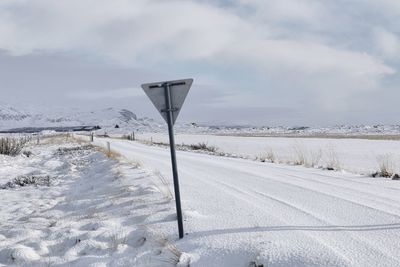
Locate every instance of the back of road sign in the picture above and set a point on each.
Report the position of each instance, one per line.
(178, 90)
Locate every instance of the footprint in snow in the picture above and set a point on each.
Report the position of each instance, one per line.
(18, 254)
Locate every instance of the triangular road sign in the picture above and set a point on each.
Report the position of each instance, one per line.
(178, 90)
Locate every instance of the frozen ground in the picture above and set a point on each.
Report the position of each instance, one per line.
(90, 210)
(358, 156)
(240, 211)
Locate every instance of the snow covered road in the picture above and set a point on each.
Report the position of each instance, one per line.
(239, 211)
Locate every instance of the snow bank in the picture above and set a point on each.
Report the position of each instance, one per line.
(96, 212)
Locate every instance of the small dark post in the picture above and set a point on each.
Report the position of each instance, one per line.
(108, 149)
(133, 136)
(91, 137)
(169, 111)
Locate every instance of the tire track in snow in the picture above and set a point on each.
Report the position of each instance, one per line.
(233, 192)
(358, 182)
(288, 182)
(368, 245)
(343, 261)
(374, 201)
(360, 194)
(262, 176)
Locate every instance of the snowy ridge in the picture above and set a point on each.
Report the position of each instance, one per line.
(107, 119)
(11, 114)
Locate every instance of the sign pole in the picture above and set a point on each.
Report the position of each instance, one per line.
(168, 98)
(169, 109)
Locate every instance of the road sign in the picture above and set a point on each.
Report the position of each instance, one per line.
(168, 98)
(178, 91)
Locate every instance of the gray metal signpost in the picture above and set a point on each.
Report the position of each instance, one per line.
(168, 98)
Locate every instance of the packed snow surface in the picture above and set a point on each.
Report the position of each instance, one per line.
(241, 211)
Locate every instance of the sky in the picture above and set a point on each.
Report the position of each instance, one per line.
(260, 62)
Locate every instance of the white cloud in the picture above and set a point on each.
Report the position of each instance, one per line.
(306, 11)
(158, 31)
(124, 30)
(306, 45)
(388, 43)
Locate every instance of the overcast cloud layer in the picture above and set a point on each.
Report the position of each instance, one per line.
(253, 61)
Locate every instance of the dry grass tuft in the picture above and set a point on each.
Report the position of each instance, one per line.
(26, 180)
(269, 156)
(168, 254)
(332, 163)
(52, 139)
(164, 187)
(119, 237)
(203, 146)
(299, 154)
(306, 157)
(79, 139)
(11, 146)
(314, 157)
(386, 166)
(137, 164)
(172, 255)
(112, 154)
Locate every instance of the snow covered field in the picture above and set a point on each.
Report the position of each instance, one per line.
(86, 209)
(357, 156)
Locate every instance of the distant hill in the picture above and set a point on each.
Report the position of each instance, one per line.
(127, 121)
(107, 119)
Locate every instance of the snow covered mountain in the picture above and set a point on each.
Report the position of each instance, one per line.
(107, 119)
(11, 117)
(11, 114)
